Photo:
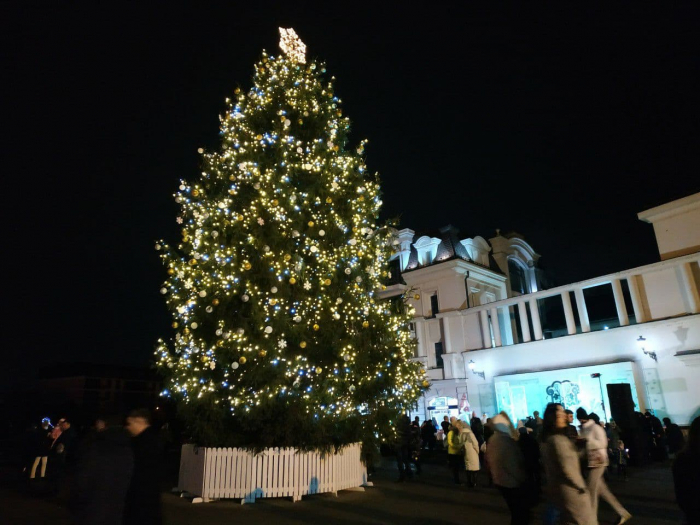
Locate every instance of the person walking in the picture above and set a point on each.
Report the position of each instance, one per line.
(686, 475)
(403, 447)
(571, 431)
(103, 475)
(143, 497)
(427, 434)
(43, 443)
(566, 489)
(507, 467)
(531, 454)
(470, 446)
(674, 436)
(620, 457)
(454, 452)
(597, 452)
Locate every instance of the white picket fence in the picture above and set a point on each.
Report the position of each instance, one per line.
(232, 473)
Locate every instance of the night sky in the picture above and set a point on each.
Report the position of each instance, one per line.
(560, 124)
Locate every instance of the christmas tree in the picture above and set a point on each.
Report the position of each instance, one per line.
(280, 339)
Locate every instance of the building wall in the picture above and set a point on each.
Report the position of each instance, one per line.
(676, 226)
(670, 386)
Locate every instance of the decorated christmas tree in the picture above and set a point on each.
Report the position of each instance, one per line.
(280, 338)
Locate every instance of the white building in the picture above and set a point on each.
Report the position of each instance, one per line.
(481, 322)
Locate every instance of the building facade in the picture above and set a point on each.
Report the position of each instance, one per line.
(485, 324)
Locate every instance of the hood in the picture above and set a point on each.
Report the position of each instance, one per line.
(501, 424)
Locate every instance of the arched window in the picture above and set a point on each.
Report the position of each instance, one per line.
(518, 281)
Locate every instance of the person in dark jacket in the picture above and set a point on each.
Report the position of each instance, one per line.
(143, 497)
(103, 476)
(531, 453)
(427, 433)
(477, 428)
(403, 447)
(674, 436)
(570, 430)
(686, 475)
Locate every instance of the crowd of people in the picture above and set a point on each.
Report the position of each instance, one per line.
(109, 475)
(554, 456)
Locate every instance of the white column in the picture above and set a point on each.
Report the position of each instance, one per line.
(485, 333)
(636, 297)
(536, 323)
(568, 313)
(446, 335)
(620, 303)
(582, 310)
(496, 327)
(524, 326)
(691, 288)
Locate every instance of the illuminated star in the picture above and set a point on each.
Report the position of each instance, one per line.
(261, 221)
(178, 220)
(307, 285)
(292, 46)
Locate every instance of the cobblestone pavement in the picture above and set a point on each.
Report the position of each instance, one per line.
(430, 499)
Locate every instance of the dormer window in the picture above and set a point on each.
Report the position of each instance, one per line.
(426, 247)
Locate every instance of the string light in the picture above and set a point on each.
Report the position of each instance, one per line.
(272, 285)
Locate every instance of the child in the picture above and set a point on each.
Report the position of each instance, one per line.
(620, 457)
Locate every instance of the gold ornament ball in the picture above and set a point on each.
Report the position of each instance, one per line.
(292, 280)
(273, 301)
(416, 297)
(422, 370)
(365, 324)
(262, 353)
(328, 200)
(426, 384)
(232, 177)
(175, 324)
(258, 137)
(242, 360)
(237, 91)
(301, 121)
(215, 302)
(311, 224)
(186, 331)
(302, 344)
(247, 266)
(319, 370)
(239, 217)
(327, 282)
(383, 287)
(192, 262)
(316, 328)
(185, 239)
(287, 257)
(171, 271)
(360, 253)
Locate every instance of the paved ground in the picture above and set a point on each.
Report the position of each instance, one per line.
(428, 500)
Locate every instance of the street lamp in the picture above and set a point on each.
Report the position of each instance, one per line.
(472, 367)
(641, 342)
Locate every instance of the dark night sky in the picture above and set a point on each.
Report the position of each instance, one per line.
(561, 124)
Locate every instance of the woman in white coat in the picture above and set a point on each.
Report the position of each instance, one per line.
(471, 452)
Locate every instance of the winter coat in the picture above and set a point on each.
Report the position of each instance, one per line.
(143, 498)
(103, 477)
(596, 444)
(471, 449)
(453, 444)
(566, 488)
(503, 455)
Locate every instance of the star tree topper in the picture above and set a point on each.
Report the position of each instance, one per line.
(292, 46)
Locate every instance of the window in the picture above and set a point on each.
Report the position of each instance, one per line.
(518, 282)
(438, 355)
(434, 308)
